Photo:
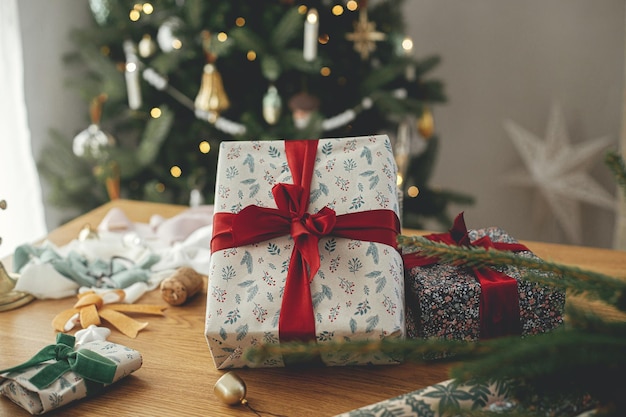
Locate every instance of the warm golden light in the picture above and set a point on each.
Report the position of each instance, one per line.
(177, 44)
(352, 5)
(399, 179)
(311, 18)
(175, 171)
(240, 21)
(147, 8)
(325, 71)
(138, 7)
(222, 36)
(251, 55)
(337, 10)
(155, 112)
(205, 147)
(302, 9)
(323, 39)
(413, 191)
(134, 15)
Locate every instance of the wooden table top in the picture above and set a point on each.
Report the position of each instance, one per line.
(178, 374)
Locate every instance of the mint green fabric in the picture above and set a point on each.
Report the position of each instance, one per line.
(114, 273)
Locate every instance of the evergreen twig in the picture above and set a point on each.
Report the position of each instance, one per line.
(594, 284)
(615, 163)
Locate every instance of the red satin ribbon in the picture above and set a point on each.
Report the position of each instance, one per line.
(499, 299)
(255, 224)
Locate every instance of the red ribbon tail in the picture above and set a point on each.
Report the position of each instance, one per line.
(499, 304)
(297, 303)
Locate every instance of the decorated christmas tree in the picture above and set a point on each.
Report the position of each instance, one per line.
(167, 81)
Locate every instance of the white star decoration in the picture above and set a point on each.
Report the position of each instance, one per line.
(558, 171)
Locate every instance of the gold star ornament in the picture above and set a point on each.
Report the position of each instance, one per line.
(365, 35)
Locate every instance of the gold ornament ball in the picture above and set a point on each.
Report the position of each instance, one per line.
(426, 124)
(230, 389)
(88, 233)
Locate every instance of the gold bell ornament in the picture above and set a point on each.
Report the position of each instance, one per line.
(231, 390)
(211, 98)
(10, 298)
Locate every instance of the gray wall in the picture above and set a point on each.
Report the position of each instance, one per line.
(51, 105)
(512, 60)
(501, 60)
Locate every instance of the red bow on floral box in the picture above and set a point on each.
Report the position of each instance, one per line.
(458, 302)
(304, 247)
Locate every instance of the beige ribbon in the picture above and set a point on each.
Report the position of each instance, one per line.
(92, 307)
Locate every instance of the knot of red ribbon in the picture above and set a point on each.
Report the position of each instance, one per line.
(255, 224)
(499, 298)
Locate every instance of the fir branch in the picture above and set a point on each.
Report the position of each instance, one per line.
(414, 350)
(581, 318)
(287, 29)
(593, 284)
(615, 162)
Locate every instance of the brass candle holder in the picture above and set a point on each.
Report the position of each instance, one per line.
(10, 298)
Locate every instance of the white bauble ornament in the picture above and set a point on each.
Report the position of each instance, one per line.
(92, 142)
(166, 36)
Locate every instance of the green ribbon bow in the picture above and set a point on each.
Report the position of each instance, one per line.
(88, 364)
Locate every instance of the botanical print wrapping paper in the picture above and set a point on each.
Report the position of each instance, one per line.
(357, 293)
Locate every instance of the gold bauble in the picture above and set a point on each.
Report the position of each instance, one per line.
(426, 124)
(230, 389)
(211, 97)
(88, 233)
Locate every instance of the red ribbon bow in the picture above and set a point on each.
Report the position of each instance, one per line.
(499, 298)
(255, 224)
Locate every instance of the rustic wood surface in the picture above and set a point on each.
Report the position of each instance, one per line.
(178, 374)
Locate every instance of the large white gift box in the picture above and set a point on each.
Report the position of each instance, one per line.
(304, 248)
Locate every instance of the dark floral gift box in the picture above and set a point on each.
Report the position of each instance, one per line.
(454, 302)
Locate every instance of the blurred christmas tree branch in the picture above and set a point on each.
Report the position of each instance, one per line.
(596, 285)
(151, 65)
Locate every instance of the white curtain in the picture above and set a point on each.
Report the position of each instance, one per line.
(23, 220)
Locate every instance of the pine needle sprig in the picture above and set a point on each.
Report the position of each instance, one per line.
(615, 163)
(577, 280)
(546, 355)
(584, 319)
(411, 350)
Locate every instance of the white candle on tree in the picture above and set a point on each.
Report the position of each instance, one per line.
(311, 28)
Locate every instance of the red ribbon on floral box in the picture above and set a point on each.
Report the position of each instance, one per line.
(301, 229)
(501, 310)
